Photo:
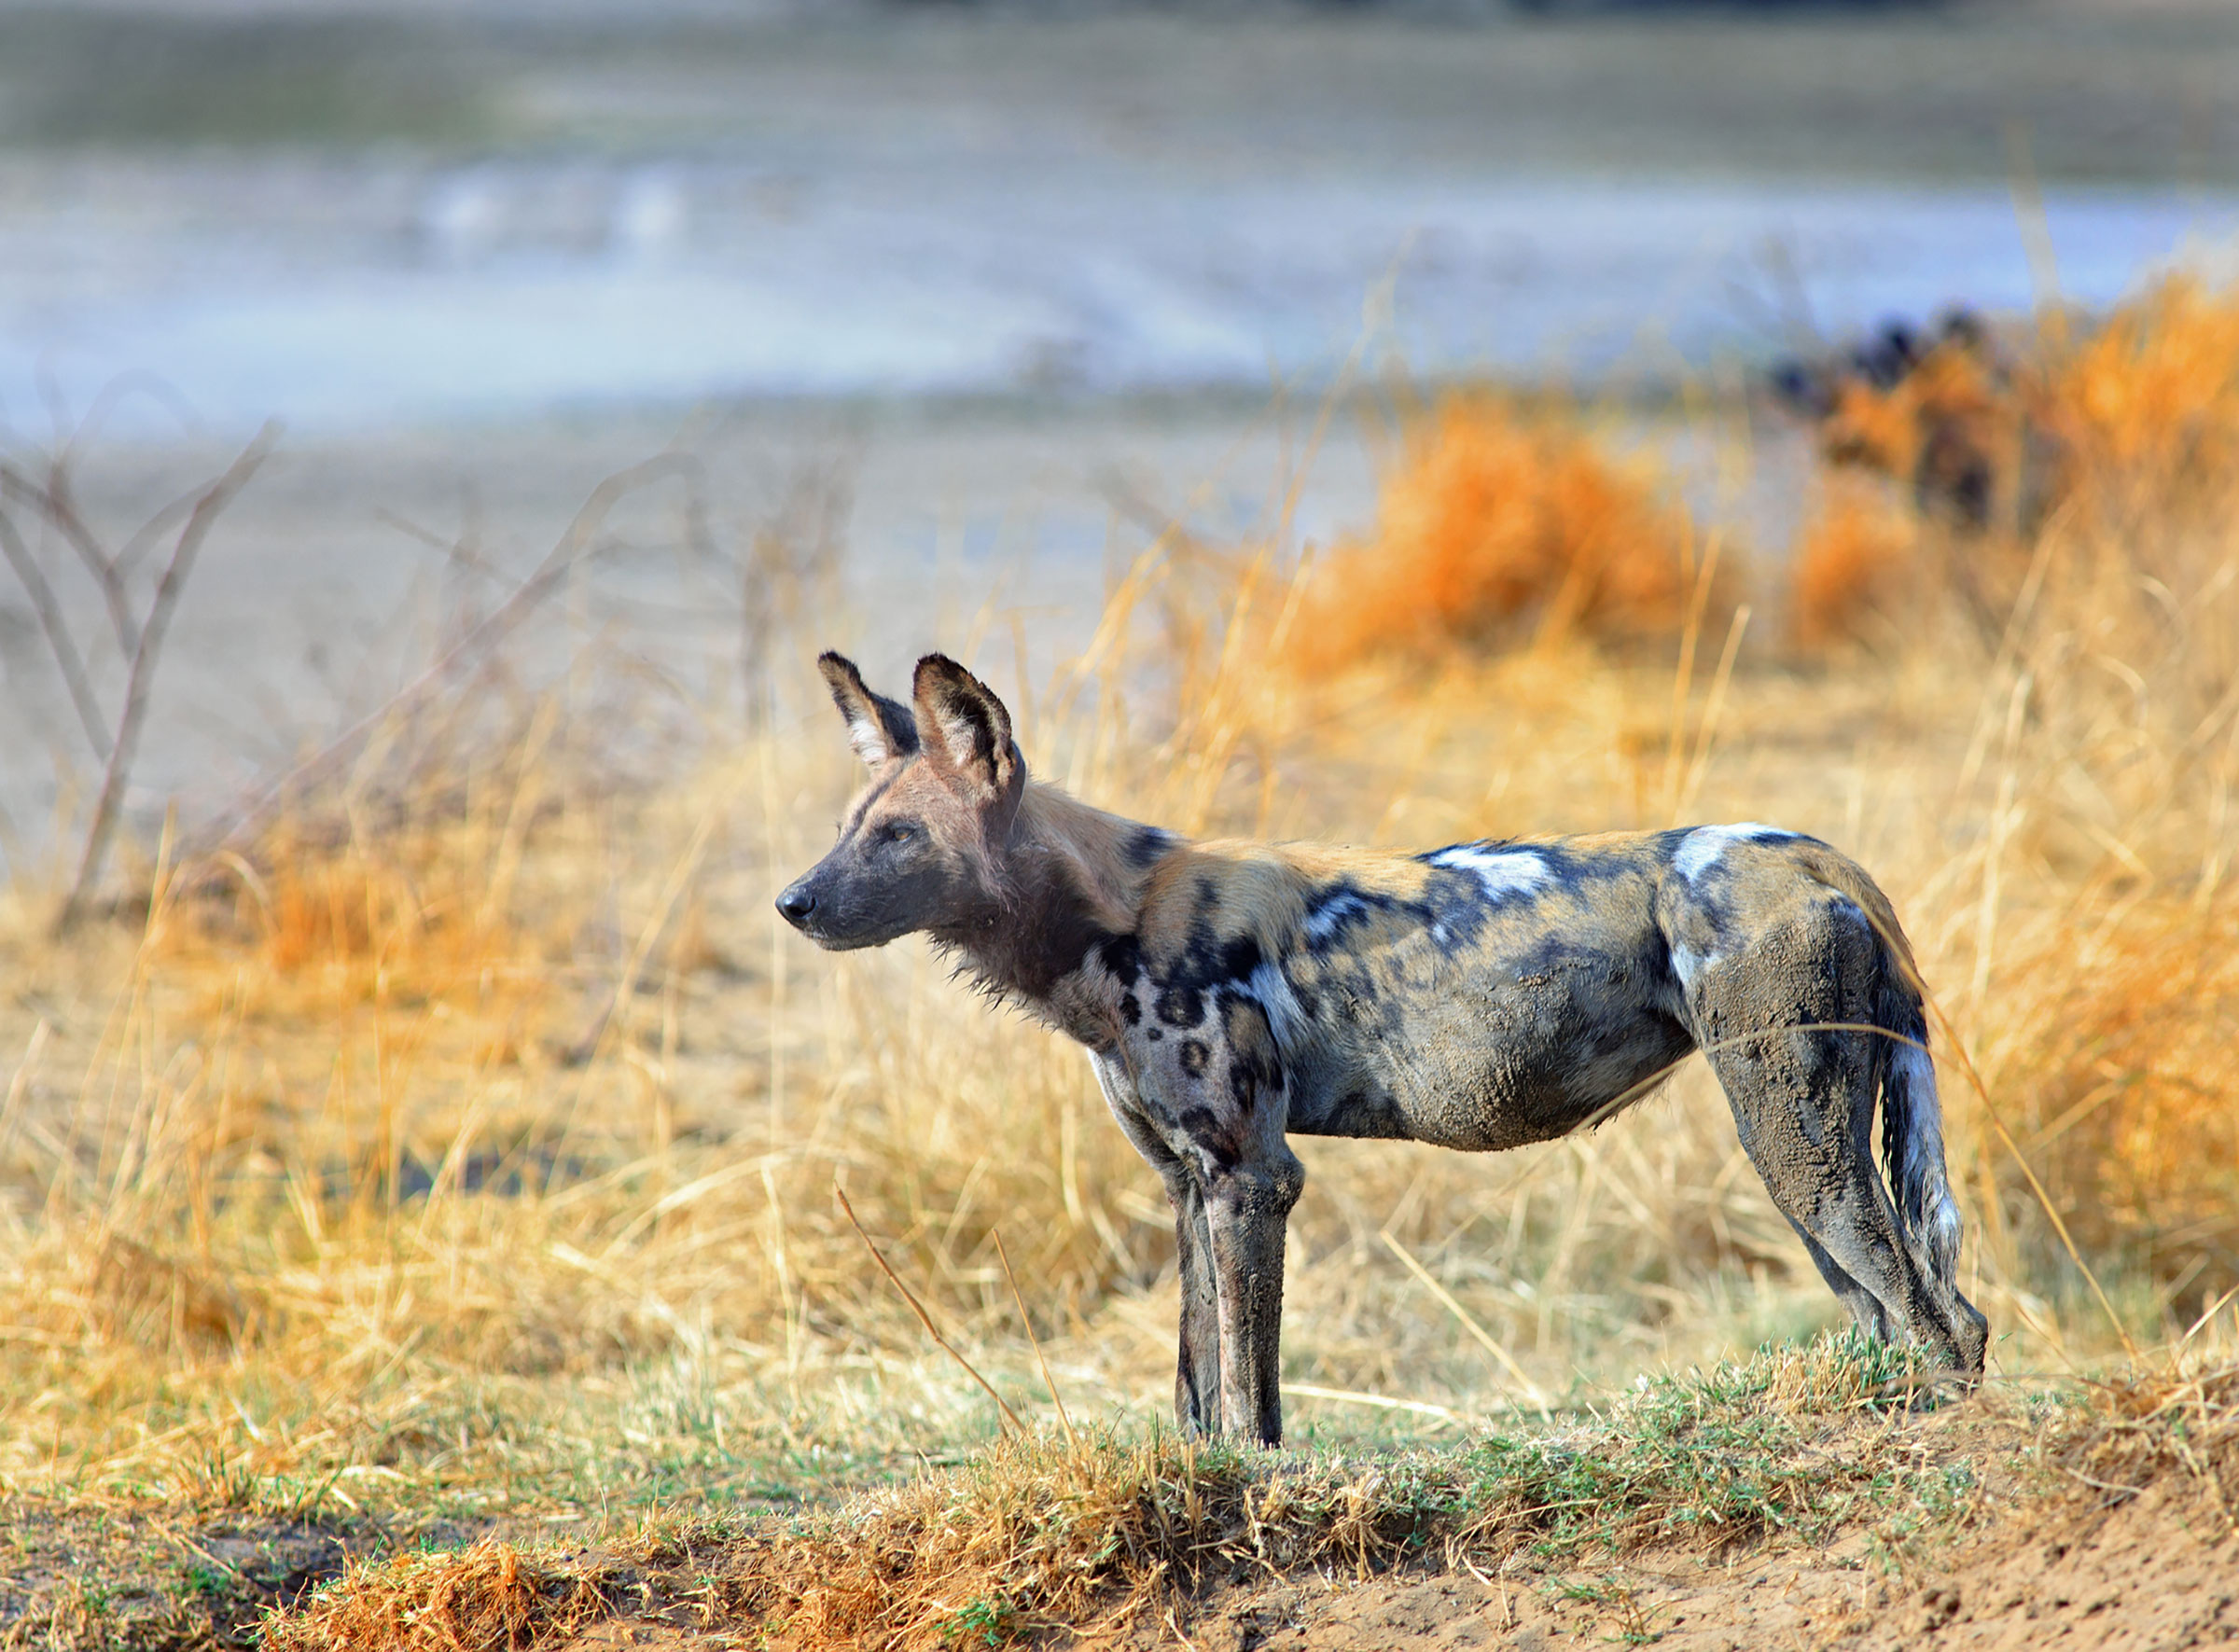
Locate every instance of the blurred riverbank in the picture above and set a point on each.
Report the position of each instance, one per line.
(355, 223)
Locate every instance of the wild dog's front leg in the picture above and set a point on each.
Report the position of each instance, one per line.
(1249, 1208)
(1221, 1098)
(1197, 1363)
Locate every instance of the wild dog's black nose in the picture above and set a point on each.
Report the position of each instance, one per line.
(796, 903)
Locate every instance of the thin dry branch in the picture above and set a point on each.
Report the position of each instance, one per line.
(918, 1307)
(149, 649)
(53, 502)
(57, 631)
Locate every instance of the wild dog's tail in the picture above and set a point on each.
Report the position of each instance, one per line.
(1913, 1130)
(1911, 1113)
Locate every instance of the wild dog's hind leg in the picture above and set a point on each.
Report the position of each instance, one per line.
(1196, 1362)
(1803, 1103)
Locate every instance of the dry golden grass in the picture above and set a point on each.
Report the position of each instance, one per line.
(1496, 524)
(1856, 563)
(463, 1144)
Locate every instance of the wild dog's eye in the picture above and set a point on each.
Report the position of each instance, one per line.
(899, 831)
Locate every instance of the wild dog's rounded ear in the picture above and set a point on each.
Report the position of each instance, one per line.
(965, 731)
(877, 727)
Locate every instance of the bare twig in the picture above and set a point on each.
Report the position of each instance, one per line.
(1486, 1338)
(53, 502)
(1035, 1342)
(151, 647)
(59, 642)
(923, 1318)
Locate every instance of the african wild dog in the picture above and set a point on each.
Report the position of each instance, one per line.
(1480, 996)
(1953, 416)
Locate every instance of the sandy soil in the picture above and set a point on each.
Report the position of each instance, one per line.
(2153, 1572)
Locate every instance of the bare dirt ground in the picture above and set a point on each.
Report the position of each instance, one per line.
(2148, 1571)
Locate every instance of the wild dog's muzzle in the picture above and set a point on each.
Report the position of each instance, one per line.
(831, 913)
(796, 903)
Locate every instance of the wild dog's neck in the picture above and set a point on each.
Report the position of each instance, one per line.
(1070, 876)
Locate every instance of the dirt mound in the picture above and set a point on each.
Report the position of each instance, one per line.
(2104, 1523)
(2156, 1570)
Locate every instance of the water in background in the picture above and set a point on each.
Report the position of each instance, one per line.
(352, 226)
(355, 295)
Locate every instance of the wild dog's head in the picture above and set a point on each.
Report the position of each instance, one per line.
(921, 846)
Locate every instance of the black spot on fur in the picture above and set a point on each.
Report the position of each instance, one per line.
(1147, 847)
(1209, 963)
(1208, 895)
(1122, 958)
(1195, 1053)
(1240, 959)
(1205, 1131)
(1130, 1010)
(1248, 1080)
(1154, 1034)
(1181, 1007)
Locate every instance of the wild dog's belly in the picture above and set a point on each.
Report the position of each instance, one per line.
(1483, 1053)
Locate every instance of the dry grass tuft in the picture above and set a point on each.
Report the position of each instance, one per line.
(487, 1598)
(1854, 565)
(2128, 1085)
(2175, 1425)
(1497, 526)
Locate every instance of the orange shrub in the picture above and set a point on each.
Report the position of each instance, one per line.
(1852, 564)
(324, 929)
(2124, 1084)
(2151, 400)
(1494, 529)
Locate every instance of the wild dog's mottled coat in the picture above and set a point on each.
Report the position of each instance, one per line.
(1477, 997)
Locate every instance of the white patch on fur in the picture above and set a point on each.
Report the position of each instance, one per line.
(1688, 965)
(1333, 915)
(1504, 872)
(959, 734)
(867, 735)
(1285, 1016)
(1702, 848)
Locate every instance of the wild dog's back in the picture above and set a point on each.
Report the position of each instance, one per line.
(1479, 996)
